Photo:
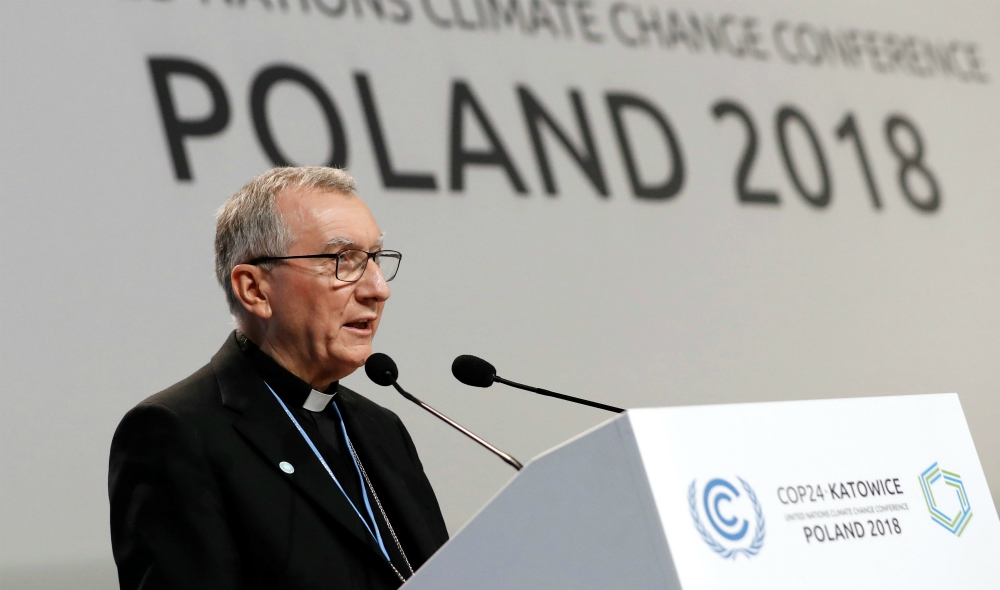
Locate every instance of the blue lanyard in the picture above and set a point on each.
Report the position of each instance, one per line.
(364, 495)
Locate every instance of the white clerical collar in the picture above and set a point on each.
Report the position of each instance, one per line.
(317, 401)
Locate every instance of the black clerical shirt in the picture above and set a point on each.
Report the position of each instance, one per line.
(324, 428)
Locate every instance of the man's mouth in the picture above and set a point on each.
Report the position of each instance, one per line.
(360, 325)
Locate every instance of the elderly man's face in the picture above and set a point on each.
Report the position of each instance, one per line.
(325, 323)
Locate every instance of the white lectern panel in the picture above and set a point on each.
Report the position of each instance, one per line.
(830, 494)
(580, 516)
(851, 493)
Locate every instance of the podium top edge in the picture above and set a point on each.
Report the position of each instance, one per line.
(880, 398)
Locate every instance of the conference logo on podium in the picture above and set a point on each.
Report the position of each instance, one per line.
(950, 510)
(728, 517)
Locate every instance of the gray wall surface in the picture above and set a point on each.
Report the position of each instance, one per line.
(108, 292)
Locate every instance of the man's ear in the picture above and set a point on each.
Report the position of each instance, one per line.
(250, 286)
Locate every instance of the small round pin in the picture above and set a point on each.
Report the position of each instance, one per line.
(286, 467)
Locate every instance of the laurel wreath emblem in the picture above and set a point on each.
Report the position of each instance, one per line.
(758, 537)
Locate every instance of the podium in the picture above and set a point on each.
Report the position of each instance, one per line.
(852, 493)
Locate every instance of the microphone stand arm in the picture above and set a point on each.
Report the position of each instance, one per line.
(562, 396)
(507, 458)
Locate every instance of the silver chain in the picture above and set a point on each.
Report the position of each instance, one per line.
(371, 488)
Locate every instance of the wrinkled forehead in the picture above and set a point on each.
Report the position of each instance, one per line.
(323, 219)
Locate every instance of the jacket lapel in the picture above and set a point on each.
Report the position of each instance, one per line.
(265, 426)
(389, 484)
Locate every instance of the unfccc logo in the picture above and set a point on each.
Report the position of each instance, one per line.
(956, 521)
(729, 514)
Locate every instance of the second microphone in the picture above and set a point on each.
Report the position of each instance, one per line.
(474, 371)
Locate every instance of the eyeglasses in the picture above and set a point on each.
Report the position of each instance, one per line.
(349, 265)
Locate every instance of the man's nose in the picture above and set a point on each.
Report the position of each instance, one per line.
(372, 284)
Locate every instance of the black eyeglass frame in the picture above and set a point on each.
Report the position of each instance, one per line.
(337, 257)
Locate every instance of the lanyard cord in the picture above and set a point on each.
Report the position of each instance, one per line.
(376, 535)
(380, 509)
(364, 476)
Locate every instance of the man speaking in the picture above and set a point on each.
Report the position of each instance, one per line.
(260, 470)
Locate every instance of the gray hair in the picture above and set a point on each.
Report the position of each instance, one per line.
(249, 224)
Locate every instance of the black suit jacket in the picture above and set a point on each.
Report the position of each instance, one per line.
(198, 499)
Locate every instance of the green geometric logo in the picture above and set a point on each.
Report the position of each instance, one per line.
(955, 524)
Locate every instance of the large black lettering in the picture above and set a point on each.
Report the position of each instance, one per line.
(821, 197)
(724, 108)
(670, 186)
(262, 85)
(586, 158)
(462, 97)
(175, 128)
(390, 178)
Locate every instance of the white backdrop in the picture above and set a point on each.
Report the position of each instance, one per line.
(690, 299)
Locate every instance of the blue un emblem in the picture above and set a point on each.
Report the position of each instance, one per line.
(728, 518)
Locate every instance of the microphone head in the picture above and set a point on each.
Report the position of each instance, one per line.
(473, 371)
(381, 369)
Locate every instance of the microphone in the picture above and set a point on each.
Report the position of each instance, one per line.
(476, 372)
(383, 371)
